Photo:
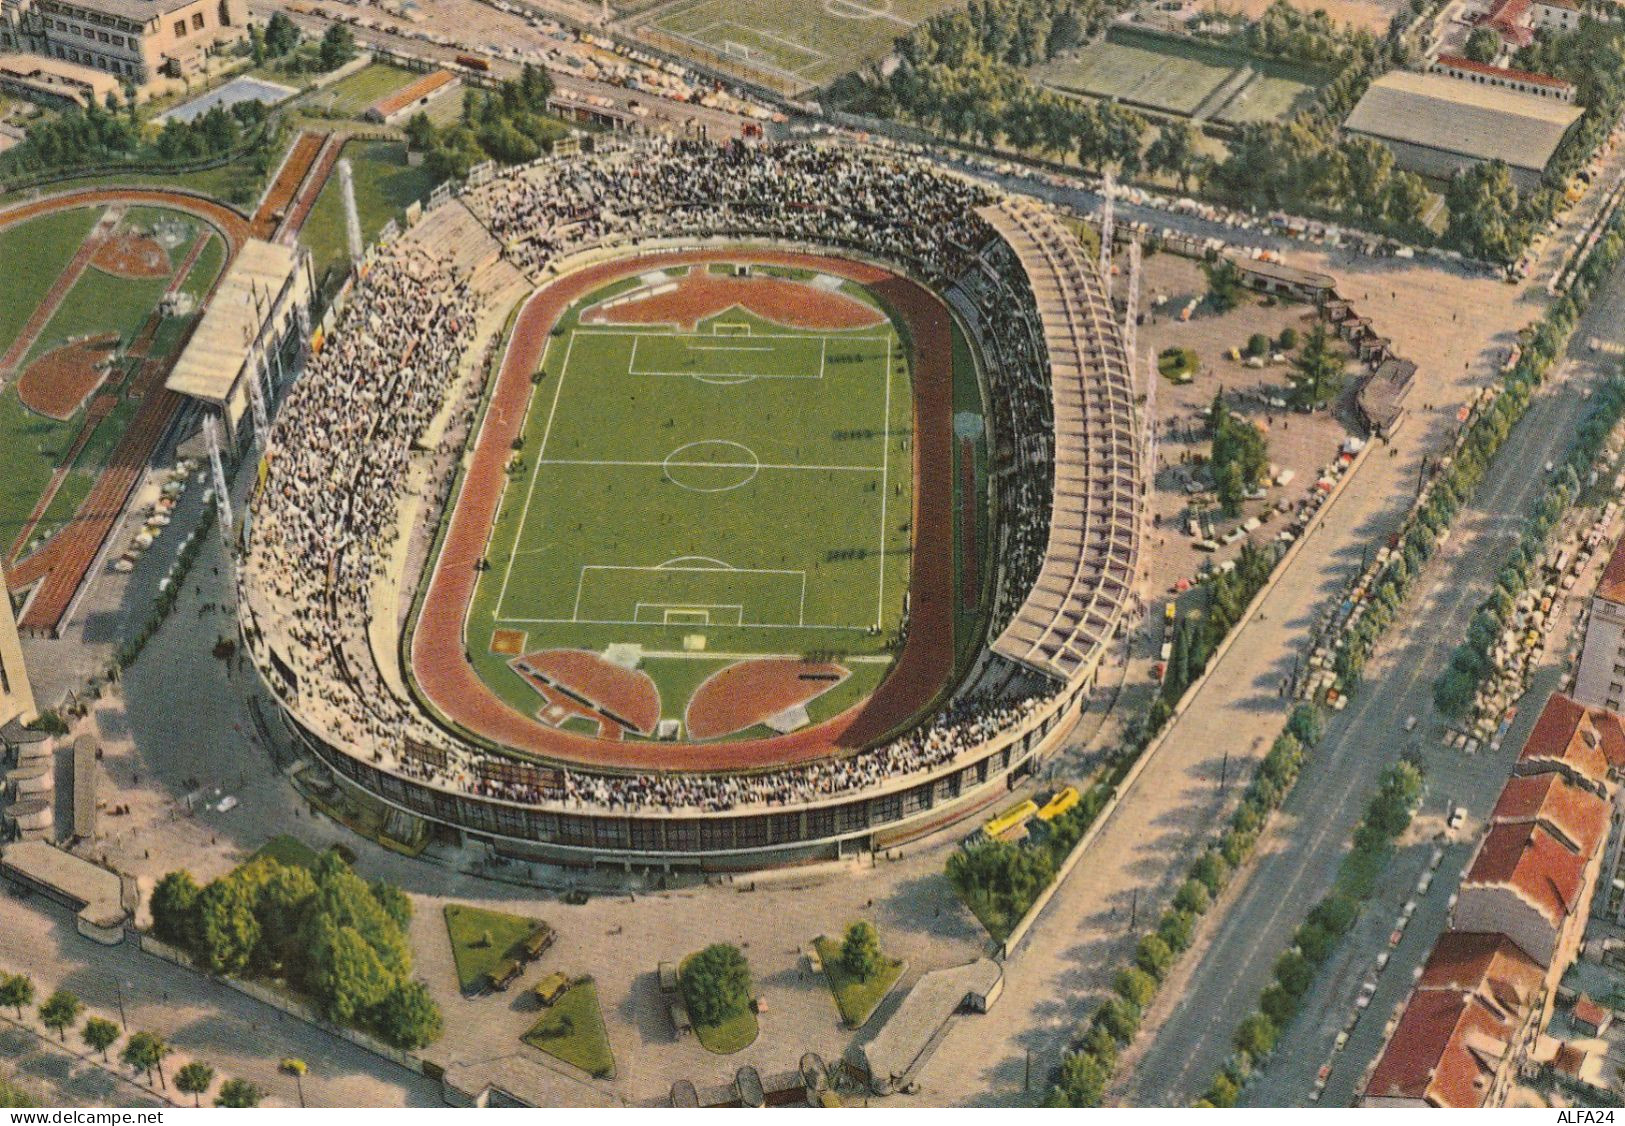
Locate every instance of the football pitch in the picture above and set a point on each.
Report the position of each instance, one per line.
(708, 494)
(803, 44)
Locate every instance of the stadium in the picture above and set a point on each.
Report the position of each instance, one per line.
(678, 506)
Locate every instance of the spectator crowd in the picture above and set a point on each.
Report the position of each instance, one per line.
(328, 518)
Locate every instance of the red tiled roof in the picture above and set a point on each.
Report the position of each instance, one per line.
(1611, 587)
(1459, 62)
(1573, 812)
(1444, 1051)
(418, 88)
(1533, 862)
(1491, 965)
(1563, 736)
(1611, 728)
(1587, 1011)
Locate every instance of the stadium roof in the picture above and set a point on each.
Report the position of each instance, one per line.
(1470, 119)
(209, 366)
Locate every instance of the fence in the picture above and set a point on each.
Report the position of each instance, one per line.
(409, 1060)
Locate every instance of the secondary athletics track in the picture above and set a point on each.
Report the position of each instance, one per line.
(449, 682)
(61, 565)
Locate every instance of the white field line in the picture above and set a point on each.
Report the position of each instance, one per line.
(535, 474)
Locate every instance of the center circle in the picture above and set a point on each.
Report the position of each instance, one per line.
(715, 465)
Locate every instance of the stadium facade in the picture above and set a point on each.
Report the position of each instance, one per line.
(327, 623)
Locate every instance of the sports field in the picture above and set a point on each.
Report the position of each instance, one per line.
(1187, 79)
(76, 330)
(804, 45)
(701, 494)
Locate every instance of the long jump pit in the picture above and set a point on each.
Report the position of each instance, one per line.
(591, 704)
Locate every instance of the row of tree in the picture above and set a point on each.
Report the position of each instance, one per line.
(324, 930)
(510, 125)
(1386, 816)
(143, 1051)
(1088, 1065)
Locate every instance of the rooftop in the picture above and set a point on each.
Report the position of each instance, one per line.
(1470, 119)
(1444, 1051)
(1564, 738)
(1489, 964)
(208, 368)
(1535, 864)
(137, 11)
(1511, 74)
(1573, 812)
(1611, 587)
(97, 890)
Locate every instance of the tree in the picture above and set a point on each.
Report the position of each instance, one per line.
(1482, 45)
(1258, 344)
(298, 1068)
(17, 990)
(238, 1093)
(350, 979)
(145, 1051)
(1319, 368)
(1135, 985)
(1153, 956)
(860, 951)
(716, 984)
(281, 36)
(228, 932)
(409, 1018)
(338, 46)
(1224, 284)
(194, 1079)
(1256, 1035)
(100, 1035)
(1082, 1083)
(1175, 151)
(60, 1013)
(1120, 1018)
(174, 907)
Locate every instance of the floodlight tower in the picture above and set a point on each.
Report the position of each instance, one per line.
(1131, 314)
(1107, 222)
(222, 491)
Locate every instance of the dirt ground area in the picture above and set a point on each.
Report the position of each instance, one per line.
(57, 384)
(1368, 15)
(1300, 443)
(131, 255)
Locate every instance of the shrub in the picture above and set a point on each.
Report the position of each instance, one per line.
(1153, 956)
(1135, 986)
(1192, 896)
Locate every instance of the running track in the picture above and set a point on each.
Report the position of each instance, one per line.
(449, 682)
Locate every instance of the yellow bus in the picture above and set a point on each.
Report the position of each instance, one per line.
(1060, 803)
(1010, 818)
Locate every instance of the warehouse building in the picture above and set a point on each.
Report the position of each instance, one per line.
(1437, 125)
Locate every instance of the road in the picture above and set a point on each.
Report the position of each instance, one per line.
(1299, 857)
(199, 1017)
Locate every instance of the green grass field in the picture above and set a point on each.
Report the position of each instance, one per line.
(470, 927)
(746, 484)
(856, 998)
(384, 186)
(1179, 78)
(572, 1030)
(35, 253)
(811, 43)
(351, 95)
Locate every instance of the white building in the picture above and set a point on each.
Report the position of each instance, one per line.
(1600, 681)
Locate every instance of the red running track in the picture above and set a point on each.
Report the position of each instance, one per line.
(447, 679)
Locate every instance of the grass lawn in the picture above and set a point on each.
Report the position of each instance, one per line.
(350, 96)
(291, 851)
(732, 1035)
(572, 1030)
(35, 252)
(811, 42)
(98, 303)
(204, 270)
(384, 186)
(1178, 364)
(468, 928)
(856, 999)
